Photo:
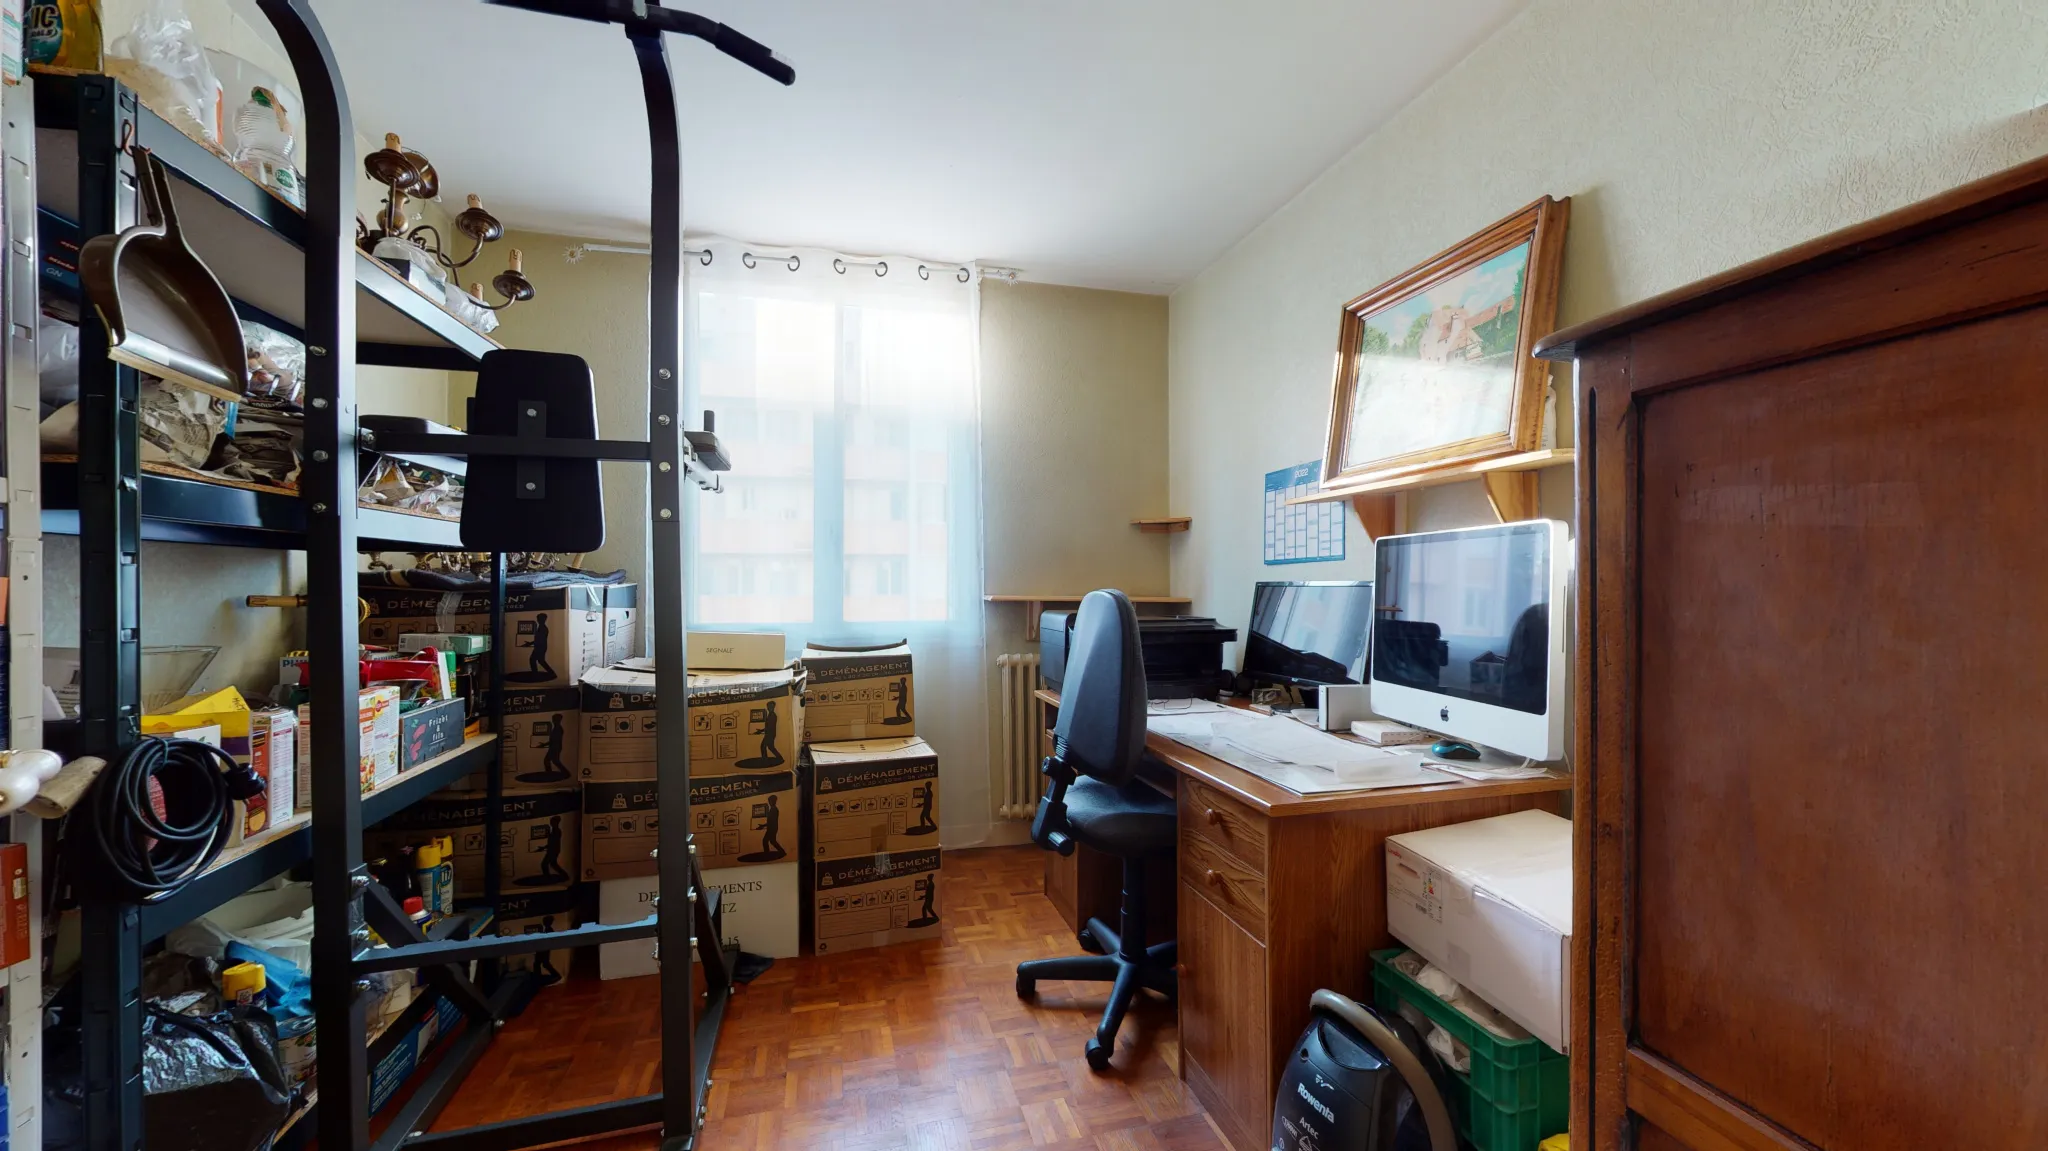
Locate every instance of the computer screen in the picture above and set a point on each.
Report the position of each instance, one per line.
(1309, 632)
(1467, 614)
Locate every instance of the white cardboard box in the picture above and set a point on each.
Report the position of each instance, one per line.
(760, 907)
(1490, 902)
(736, 651)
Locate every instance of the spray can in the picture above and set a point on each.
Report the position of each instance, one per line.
(444, 882)
(426, 872)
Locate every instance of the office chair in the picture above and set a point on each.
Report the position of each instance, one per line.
(1096, 799)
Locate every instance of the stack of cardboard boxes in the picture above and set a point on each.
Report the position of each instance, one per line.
(871, 795)
(744, 725)
(553, 635)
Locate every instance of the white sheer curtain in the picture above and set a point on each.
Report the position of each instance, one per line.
(850, 405)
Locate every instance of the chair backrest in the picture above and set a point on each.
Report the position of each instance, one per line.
(1101, 729)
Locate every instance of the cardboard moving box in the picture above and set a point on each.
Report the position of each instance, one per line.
(736, 651)
(537, 845)
(738, 819)
(857, 692)
(758, 905)
(1490, 902)
(739, 721)
(873, 901)
(542, 741)
(553, 634)
(535, 913)
(869, 796)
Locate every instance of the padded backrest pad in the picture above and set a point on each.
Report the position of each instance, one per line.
(497, 515)
(1102, 698)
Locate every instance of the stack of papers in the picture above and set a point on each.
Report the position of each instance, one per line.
(1301, 759)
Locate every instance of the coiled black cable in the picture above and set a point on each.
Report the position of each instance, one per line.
(143, 854)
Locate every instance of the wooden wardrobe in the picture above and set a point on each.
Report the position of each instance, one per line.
(1812, 665)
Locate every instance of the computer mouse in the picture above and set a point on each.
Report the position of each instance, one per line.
(1453, 749)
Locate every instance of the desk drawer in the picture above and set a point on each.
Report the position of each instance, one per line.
(1223, 821)
(1237, 890)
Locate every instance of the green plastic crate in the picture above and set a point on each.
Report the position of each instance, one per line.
(1519, 1091)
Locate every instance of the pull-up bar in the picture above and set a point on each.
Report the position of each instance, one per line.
(641, 16)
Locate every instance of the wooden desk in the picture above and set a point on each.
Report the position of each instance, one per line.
(1280, 894)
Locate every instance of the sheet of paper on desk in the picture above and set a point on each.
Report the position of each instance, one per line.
(1298, 758)
(1182, 706)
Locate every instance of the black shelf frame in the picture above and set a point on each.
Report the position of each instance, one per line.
(177, 510)
(74, 103)
(113, 506)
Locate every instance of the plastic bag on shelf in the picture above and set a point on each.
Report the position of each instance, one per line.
(277, 363)
(56, 363)
(212, 1082)
(466, 308)
(179, 425)
(416, 264)
(161, 57)
(409, 487)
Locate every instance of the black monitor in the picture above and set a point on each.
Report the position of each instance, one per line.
(1309, 633)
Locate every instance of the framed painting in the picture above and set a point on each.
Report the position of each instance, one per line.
(1434, 366)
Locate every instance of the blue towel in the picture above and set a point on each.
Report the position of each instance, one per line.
(289, 990)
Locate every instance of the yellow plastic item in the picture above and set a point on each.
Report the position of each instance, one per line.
(1556, 1143)
(243, 982)
(225, 707)
(426, 855)
(64, 35)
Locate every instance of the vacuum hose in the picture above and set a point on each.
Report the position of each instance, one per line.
(1435, 1115)
(144, 854)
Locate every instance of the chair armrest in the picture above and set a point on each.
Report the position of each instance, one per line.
(1049, 828)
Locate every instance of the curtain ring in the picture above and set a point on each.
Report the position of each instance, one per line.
(881, 268)
(964, 276)
(839, 265)
(705, 259)
(749, 260)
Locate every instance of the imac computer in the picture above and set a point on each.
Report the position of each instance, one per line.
(1309, 634)
(1469, 634)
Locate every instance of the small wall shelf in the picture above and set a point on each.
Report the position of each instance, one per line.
(1511, 487)
(1036, 604)
(1164, 524)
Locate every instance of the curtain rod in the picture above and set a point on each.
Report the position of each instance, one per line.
(794, 262)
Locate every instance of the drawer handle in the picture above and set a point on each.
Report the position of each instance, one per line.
(1214, 816)
(1214, 877)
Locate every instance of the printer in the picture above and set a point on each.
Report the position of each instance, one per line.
(1183, 654)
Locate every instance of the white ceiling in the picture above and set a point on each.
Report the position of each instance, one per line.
(1119, 143)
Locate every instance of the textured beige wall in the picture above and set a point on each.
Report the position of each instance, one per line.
(1073, 404)
(1073, 448)
(1691, 137)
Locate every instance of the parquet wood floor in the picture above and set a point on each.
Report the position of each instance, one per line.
(917, 1047)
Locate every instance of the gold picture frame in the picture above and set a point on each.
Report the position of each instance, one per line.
(1434, 367)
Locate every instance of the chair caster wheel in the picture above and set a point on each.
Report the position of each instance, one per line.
(1098, 1055)
(1027, 987)
(1089, 943)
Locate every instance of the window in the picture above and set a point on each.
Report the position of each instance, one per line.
(848, 407)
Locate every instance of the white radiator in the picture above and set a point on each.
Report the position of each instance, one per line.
(1023, 725)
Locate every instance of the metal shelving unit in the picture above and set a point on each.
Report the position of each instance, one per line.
(257, 244)
(301, 272)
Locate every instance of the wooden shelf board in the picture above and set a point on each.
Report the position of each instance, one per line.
(1034, 604)
(1522, 462)
(1164, 524)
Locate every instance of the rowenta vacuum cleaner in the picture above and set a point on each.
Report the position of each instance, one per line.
(1359, 1080)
